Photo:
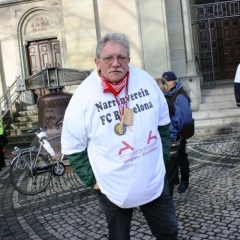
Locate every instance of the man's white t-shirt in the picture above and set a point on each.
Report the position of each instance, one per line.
(129, 169)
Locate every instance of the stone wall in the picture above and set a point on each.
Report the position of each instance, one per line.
(154, 28)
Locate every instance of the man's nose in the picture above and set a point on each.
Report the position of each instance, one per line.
(115, 62)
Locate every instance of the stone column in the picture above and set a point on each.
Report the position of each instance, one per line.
(191, 80)
(2, 81)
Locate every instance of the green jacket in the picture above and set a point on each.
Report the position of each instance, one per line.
(81, 165)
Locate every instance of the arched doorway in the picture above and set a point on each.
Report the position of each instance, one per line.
(40, 42)
(42, 54)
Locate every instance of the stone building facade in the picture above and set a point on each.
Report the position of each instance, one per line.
(39, 33)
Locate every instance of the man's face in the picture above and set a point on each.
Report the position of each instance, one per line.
(114, 71)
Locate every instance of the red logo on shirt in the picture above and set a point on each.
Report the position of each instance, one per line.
(150, 137)
(127, 146)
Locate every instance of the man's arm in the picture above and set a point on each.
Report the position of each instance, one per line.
(165, 135)
(81, 165)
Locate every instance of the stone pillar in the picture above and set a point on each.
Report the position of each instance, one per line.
(191, 81)
(2, 80)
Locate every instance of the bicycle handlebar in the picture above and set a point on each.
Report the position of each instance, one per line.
(33, 130)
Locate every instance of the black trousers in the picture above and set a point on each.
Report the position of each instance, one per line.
(2, 162)
(183, 163)
(159, 214)
(171, 173)
(237, 93)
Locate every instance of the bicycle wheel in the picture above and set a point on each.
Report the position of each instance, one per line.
(30, 182)
(58, 169)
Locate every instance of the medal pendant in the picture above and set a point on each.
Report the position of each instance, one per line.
(120, 128)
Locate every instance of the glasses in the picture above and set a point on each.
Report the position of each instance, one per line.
(110, 59)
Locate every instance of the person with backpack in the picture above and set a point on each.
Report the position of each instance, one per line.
(181, 101)
(175, 115)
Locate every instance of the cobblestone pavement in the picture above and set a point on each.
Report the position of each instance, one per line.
(209, 209)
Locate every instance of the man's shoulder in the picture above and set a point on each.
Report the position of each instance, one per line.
(89, 82)
(141, 76)
(137, 70)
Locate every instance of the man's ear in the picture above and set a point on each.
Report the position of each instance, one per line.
(98, 65)
(96, 60)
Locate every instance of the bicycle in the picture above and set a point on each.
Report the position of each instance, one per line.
(31, 170)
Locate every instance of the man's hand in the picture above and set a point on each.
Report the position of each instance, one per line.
(96, 186)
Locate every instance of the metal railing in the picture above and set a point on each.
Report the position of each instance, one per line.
(217, 10)
(8, 99)
(49, 78)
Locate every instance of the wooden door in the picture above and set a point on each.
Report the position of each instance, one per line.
(42, 54)
(230, 46)
(34, 58)
(217, 53)
(224, 42)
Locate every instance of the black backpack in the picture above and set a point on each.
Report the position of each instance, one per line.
(189, 129)
(171, 100)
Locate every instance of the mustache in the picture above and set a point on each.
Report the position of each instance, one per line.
(115, 70)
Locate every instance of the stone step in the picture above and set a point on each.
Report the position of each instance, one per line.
(27, 137)
(28, 113)
(217, 105)
(227, 121)
(32, 118)
(11, 145)
(217, 113)
(24, 125)
(20, 141)
(27, 118)
(29, 107)
(224, 88)
(217, 98)
(20, 131)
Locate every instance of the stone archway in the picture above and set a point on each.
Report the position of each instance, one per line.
(37, 24)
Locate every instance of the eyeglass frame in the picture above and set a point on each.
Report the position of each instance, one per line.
(122, 59)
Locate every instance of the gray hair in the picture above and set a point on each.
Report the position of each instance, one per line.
(116, 37)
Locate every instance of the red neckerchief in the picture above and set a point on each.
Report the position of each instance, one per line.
(115, 89)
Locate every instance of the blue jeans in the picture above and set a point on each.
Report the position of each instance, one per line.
(160, 216)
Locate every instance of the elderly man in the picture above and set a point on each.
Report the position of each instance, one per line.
(115, 134)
